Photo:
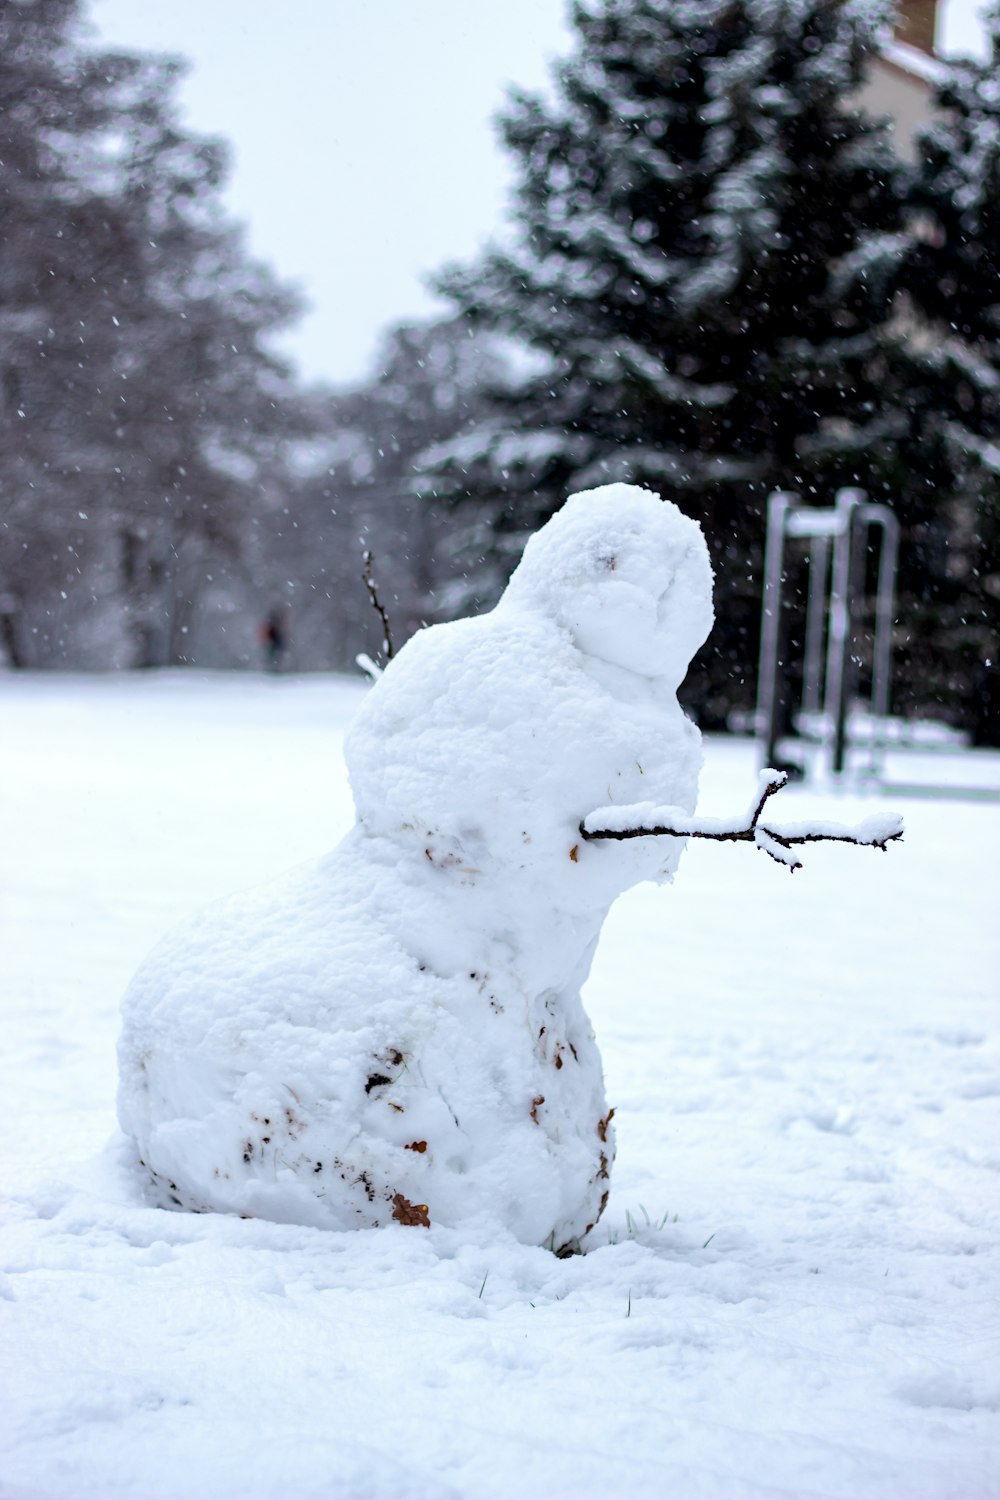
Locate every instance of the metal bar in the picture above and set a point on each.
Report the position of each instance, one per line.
(767, 672)
(819, 572)
(838, 635)
(885, 606)
(855, 619)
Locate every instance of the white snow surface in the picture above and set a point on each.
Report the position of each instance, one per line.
(400, 1023)
(806, 1079)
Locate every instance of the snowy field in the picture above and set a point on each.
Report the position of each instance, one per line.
(792, 1293)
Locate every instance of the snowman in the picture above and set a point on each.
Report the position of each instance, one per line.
(395, 1031)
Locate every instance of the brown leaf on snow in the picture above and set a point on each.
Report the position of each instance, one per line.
(405, 1212)
(420, 1146)
(602, 1125)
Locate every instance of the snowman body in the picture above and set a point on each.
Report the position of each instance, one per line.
(396, 1030)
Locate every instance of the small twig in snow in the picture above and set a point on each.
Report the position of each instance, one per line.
(644, 820)
(369, 667)
(372, 588)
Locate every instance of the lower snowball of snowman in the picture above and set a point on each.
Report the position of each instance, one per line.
(396, 1030)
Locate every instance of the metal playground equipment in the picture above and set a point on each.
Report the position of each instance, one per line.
(839, 542)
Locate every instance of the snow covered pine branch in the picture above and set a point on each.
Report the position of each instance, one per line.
(647, 820)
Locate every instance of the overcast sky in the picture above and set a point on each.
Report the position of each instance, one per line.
(364, 151)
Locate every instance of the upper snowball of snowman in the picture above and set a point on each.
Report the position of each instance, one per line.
(627, 574)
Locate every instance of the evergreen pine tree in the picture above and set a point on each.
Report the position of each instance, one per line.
(56, 232)
(690, 218)
(199, 402)
(943, 376)
(139, 402)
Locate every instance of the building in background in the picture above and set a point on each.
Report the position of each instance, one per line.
(903, 77)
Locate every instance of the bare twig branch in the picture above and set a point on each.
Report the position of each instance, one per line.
(372, 587)
(645, 821)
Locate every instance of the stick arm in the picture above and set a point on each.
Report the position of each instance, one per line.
(646, 820)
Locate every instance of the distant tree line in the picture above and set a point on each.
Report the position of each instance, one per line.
(141, 410)
(721, 279)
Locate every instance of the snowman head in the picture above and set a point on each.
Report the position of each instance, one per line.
(627, 574)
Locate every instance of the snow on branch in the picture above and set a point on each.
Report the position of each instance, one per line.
(645, 819)
(371, 669)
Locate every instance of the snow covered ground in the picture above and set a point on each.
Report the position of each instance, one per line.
(805, 1070)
